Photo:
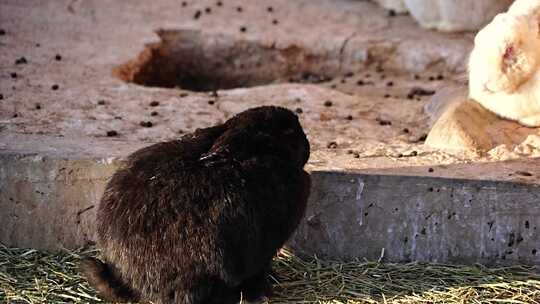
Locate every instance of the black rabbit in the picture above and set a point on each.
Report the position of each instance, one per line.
(198, 220)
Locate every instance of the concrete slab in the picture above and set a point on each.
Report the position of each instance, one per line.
(418, 218)
(483, 212)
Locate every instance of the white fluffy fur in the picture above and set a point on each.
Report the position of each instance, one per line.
(504, 74)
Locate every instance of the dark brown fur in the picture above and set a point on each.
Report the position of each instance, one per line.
(199, 219)
(103, 278)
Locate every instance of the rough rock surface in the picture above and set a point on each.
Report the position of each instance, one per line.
(362, 110)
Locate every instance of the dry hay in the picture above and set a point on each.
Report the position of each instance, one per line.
(31, 276)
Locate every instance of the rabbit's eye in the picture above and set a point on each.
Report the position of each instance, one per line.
(509, 57)
(508, 53)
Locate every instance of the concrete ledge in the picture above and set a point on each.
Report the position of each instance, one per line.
(48, 199)
(48, 202)
(416, 218)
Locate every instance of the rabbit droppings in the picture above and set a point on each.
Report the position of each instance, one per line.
(198, 220)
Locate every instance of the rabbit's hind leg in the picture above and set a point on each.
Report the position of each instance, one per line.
(256, 289)
(205, 291)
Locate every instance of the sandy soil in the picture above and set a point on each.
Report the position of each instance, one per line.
(57, 58)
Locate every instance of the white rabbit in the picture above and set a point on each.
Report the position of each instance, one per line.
(503, 66)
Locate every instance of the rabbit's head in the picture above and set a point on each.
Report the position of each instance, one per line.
(266, 130)
(505, 55)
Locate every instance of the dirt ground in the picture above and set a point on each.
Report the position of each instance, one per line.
(358, 76)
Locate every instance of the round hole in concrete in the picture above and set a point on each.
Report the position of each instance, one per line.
(198, 61)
